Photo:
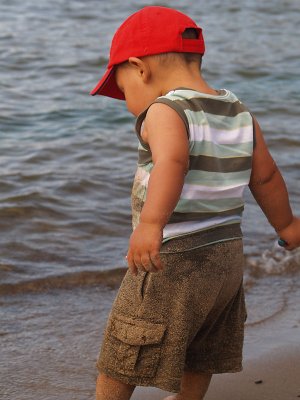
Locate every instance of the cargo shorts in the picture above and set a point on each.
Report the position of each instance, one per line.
(188, 317)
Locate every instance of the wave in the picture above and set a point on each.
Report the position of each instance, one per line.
(273, 262)
(110, 278)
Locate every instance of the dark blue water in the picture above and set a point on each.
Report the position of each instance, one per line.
(67, 161)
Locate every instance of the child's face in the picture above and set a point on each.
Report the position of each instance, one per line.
(138, 93)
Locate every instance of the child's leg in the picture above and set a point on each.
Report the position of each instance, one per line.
(193, 386)
(111, 389)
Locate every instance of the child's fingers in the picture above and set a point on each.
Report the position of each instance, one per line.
(143, 263)
(143, 260)
(138, 263)
(147, 263)
(156, 260)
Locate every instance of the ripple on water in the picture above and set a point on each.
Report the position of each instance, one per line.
(67, 159)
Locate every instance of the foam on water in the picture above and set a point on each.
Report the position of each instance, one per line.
(275, 261)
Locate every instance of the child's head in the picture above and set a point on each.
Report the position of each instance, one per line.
(158, 35)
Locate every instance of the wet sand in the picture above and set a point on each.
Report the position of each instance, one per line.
(275, 376)
(56, 336)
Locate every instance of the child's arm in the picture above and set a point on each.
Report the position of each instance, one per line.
(166, 135)
(269, 190)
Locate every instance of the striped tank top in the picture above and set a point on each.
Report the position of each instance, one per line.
(220, 132)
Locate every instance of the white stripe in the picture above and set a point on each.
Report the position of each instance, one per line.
(180, 228)
(218, 136)
(194, 192)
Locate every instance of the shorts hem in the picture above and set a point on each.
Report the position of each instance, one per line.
(168, 386)
(222, 366)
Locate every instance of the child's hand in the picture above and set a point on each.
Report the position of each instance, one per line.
(144, 247)
(291, 234)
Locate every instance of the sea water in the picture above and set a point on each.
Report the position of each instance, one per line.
(67, 161)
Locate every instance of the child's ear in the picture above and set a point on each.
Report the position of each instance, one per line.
(141, 67)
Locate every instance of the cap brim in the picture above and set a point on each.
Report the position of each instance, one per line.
(107, 86)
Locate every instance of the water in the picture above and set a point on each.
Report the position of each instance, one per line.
(64, 201)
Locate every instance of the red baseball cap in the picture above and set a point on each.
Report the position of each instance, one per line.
(152, 30)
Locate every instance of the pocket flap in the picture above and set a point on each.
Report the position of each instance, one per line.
(136, 332)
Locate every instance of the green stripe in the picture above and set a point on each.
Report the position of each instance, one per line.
(146, 167)
(211, 179)
(217, 179)
(182, 216)
(218, 150)
(225, 165)
(206, 206)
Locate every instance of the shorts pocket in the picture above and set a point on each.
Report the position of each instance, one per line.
(133, 346)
